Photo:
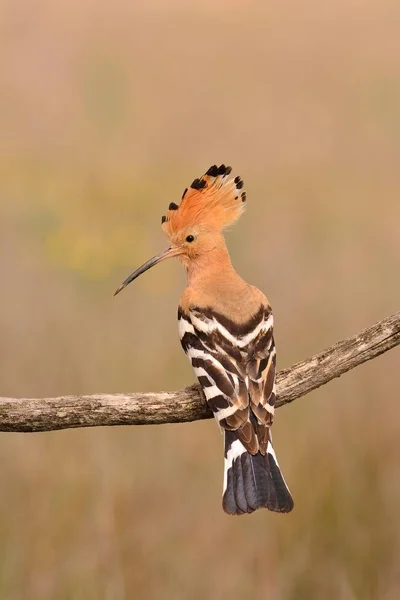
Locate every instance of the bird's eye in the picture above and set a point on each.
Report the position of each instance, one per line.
(190, 238)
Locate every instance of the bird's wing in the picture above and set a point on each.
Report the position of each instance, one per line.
(219, 351)
(261, 370)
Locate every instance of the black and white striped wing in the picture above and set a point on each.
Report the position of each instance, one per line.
(228, 360)
(261, 371)
(217, 365)
(235, 365)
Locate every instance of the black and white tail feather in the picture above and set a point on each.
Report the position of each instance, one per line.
(252, 481)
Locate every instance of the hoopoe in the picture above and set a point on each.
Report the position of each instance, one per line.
(226, 329)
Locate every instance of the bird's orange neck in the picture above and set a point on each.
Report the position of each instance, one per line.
(214, 264)
(214, 283)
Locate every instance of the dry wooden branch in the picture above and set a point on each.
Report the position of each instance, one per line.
(46, 414)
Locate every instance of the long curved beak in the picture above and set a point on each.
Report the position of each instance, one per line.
(168, 253)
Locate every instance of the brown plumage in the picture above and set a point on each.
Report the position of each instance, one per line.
(226, 328)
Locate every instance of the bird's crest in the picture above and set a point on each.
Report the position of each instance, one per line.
(214, 201)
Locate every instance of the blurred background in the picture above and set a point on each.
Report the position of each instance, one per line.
(108, 110)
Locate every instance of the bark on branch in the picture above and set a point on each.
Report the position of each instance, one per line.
(63, 412)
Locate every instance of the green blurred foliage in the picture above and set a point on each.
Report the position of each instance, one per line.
(107, 112)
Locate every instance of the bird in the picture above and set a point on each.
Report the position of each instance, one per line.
(226, 330)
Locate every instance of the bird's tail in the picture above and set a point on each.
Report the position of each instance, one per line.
(252, 481)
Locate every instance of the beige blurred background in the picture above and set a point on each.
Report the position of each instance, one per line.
(108, 110)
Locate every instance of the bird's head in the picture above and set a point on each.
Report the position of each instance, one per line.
(194, 227)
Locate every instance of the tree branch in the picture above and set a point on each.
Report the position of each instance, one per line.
(63, 412)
